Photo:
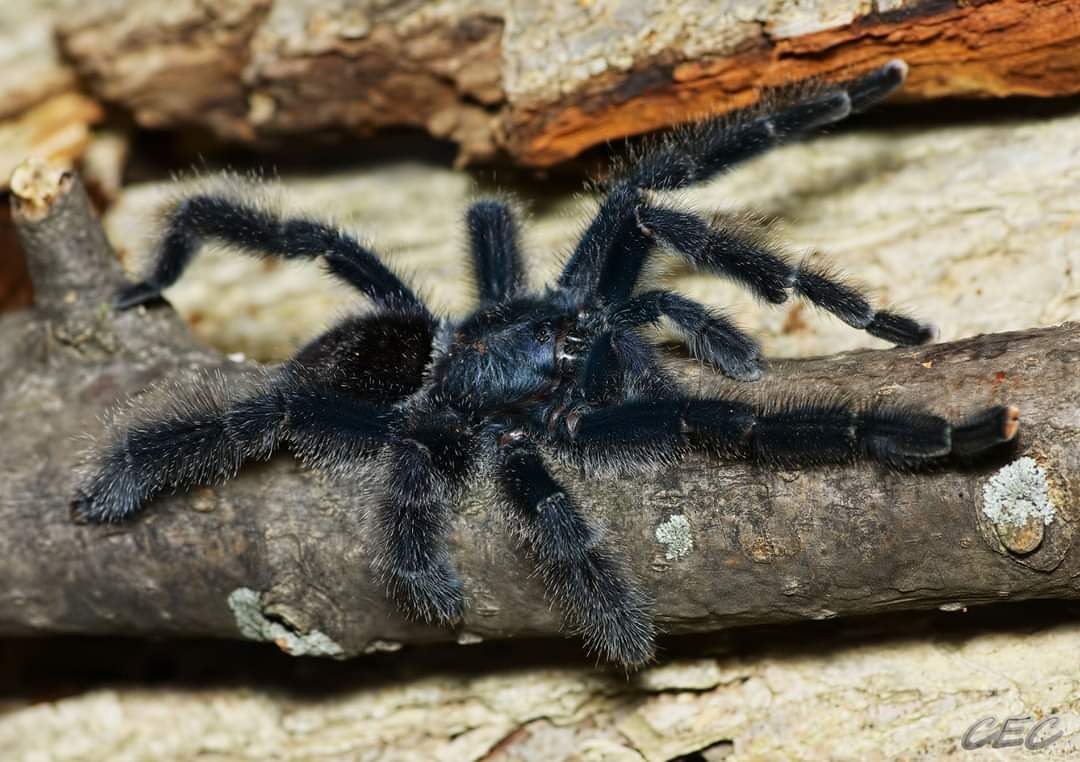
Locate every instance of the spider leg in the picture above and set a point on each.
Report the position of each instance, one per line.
(203, 437)
(703, 150)
(493, 243)
(612, 235)
(622, 366)
(329, 430)
(870, 88)
(791, 434)
(598, 599)
(710, 337)
(698, 154)
(764, 270)
(427, 464)
(257, 230)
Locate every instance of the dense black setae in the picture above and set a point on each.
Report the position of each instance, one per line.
(529, 375)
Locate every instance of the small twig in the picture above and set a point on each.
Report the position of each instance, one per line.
(282, 554)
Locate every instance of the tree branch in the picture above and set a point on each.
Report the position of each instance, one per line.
(283, 554)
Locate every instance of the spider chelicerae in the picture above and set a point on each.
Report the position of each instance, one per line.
(529, 375)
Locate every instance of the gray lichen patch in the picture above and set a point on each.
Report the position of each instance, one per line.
(674, 535)
(246, 605)
(1018, 494)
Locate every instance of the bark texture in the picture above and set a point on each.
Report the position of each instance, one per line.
(905, 689)
(42, 112)
(538, 81)
(33, 68)
(282, 554)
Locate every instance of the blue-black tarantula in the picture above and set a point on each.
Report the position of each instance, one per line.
(529, 375)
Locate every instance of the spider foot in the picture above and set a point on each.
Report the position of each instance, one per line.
(626, 638)
(877, 84)
(82, 510)
(741, 363)
(901, 330)
(606, 609)
(432, 595)
(111, 509)
(621, 631)
(987, 429)
(136, 294)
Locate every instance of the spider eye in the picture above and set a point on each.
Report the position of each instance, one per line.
(543, 332)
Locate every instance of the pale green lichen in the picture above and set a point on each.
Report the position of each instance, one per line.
(246, 605)
(1018, 493)
(674, 535)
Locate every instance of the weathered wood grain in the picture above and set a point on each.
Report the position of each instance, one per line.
(537, 82)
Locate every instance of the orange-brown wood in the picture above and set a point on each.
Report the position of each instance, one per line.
(987, 49)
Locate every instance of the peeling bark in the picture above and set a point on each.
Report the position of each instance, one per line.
(540, 82)
(753, 545)
(57, 130)
(29, 57)
(990, 49)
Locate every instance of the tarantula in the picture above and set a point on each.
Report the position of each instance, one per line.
(562, 372)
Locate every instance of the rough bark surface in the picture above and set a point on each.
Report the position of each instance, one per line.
(702, 57)
(283, 554)
(902, 689)
(539, 81)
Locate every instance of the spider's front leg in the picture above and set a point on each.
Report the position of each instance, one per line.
(710, 337)
(427, 466)
(599, 601)
(702, 151)
(609, 254)
(794, 433)
(722, 248)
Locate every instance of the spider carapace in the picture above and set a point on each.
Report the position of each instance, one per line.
(563, 373)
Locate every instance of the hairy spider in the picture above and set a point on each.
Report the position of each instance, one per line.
(529, 375)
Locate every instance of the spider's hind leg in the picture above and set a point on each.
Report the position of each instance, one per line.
(205, 432)
(610, 612)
